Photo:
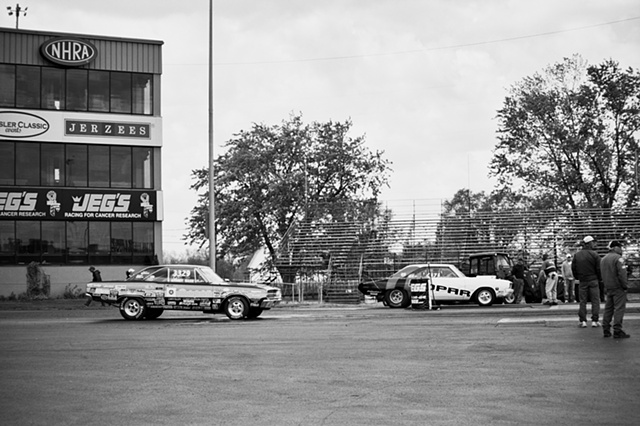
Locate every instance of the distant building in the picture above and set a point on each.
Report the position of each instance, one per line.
(80, 156)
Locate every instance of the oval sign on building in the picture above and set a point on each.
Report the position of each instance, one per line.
(21, 125)
(68, 51)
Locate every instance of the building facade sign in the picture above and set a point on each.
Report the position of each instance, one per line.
(78, 204)
(68, 51)
(113, 129)
(16, 124)
(80, 127)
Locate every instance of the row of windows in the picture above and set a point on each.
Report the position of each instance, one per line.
(23, 86)
(76, 165)
(78, 242)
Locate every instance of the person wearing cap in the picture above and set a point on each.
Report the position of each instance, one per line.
(614, 275)
(586, 269)
(567, 275)
(551, 285)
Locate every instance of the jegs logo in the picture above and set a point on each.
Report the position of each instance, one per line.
(104, 203)
(18, 201)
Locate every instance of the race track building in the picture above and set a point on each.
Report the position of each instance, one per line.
(80, 150)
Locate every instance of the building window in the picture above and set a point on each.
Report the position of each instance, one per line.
(53, 242)
(27, 87)
(7, 242)
(7, 85)
(99, 91)
(53, 80)
(120, 167)
(52, 161)
(99, 242)
(76, 165)
(77, 241)
(7, 163)
(142, 95)
(27, 164)
(121, 92)
(142, 167)
(98, 166)
(28, 240)
(121, 242)
(76, 90)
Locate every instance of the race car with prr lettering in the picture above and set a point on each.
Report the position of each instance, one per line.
(415, 284)
(147, 293)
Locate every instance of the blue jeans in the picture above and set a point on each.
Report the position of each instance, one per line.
(589, 289)
(614, 308)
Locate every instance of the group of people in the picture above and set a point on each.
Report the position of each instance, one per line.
(590, 271)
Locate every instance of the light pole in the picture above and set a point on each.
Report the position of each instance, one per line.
(18, 10)
(212, 211)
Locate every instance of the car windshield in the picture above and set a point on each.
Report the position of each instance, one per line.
(210, 276)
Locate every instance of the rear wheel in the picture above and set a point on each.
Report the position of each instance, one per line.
(510, 299)
(236, 307)
(485, 297)
(132, 309)
(397, 298)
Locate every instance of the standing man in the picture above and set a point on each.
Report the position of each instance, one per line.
(517, 273)
(95, 274)
(614, 275)
(586, 269)
(568, 279)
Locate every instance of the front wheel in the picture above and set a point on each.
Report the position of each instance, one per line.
(254, 312)
(485, 297)
(510, 299)
(153, 313)
(132, 309)
(397, 298)
(236, 308)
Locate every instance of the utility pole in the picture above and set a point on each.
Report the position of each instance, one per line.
(18, 10)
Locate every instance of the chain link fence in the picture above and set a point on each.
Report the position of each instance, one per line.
(325, 260)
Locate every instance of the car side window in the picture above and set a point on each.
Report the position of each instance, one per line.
(198, 277)
(181, 275)
(159, 275)
(447, 273)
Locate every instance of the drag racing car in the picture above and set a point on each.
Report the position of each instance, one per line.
(415, 284)
(147, 293)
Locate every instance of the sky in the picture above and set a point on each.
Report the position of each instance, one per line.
(422, 80)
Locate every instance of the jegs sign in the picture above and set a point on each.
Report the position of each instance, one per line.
(68, 51)
(74, 204)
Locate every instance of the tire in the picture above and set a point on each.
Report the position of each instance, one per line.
(254, 312)
(510, 299)
(236, 307)
(485, 297)
(153, 313)
(133, 309)
(397, 298)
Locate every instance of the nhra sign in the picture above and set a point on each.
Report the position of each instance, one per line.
(74, 204)
(68, 51)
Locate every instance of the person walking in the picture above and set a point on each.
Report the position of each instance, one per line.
(586, 269)
(517, 272)
(614, 276)
(95, 273)
(567, 275)
(551, 285)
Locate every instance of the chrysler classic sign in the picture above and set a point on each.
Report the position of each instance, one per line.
(68, 51)
(21, 124)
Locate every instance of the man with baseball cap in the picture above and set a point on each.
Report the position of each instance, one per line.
(614, 275)
(586, 269)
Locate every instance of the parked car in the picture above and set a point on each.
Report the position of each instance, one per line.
(147, 293)
(492, 264)
(444, 282)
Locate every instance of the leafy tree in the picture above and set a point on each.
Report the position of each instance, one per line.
(272, 176)
(566, 136)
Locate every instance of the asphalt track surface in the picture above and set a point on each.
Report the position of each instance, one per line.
(317, 365)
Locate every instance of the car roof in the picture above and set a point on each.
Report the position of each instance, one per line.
(431, 265)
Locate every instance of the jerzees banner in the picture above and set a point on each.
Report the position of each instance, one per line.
(77, 204)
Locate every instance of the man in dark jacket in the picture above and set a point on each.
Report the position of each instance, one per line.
(586, 269)
(614, 275)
